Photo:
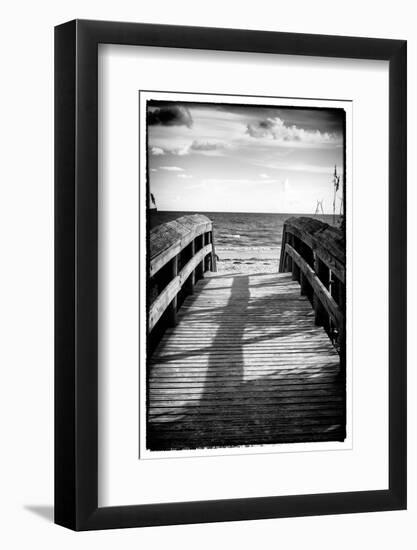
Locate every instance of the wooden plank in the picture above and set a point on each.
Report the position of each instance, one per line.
(283, 412)
(220, 387)
(233, 382)
(245, 365)
(181, 398)
(311, 376)
(163, 422)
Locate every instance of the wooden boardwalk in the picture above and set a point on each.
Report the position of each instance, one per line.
(245, 365)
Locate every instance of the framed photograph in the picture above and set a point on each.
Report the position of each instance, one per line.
(247, 353)
(230, 275)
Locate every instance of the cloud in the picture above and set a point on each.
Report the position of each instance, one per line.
(170, 115)
(206, 147)
(170, 150)
(276, 129)
(181, 151)
(260, 128)
(264, 176)
(172, 168)
(203, 146)
(184, 176)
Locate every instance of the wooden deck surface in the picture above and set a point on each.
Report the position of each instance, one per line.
(245, 365)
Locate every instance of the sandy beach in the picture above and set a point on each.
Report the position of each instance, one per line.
(245, 242)
(248, 260)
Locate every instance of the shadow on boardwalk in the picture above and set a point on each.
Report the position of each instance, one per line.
(245, 366)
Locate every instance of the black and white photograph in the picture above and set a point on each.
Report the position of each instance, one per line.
(246, 274)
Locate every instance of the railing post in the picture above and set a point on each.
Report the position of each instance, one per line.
(206, 259)
(288, 260)
(303, 284)
(296, 272)
(283, 255)
(320, 316)
(213, 262)
(189, 285)
(172, 308)
(342, 351)
(199, 270)
(289, 266)
(336, 290)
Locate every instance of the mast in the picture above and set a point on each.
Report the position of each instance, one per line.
(319, 206)
(336, 182)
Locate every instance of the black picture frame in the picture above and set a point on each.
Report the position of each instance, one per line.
(76, 273)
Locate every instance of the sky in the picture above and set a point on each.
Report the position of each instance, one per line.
(243, 158)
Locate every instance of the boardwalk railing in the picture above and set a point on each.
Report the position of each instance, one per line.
(180, 252)
(315, 254)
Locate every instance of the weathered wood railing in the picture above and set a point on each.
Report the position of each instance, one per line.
(315, 254)
(180, 252)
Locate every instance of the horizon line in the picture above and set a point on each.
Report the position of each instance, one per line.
(245, 212)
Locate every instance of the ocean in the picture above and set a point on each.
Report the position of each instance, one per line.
(243, 230)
